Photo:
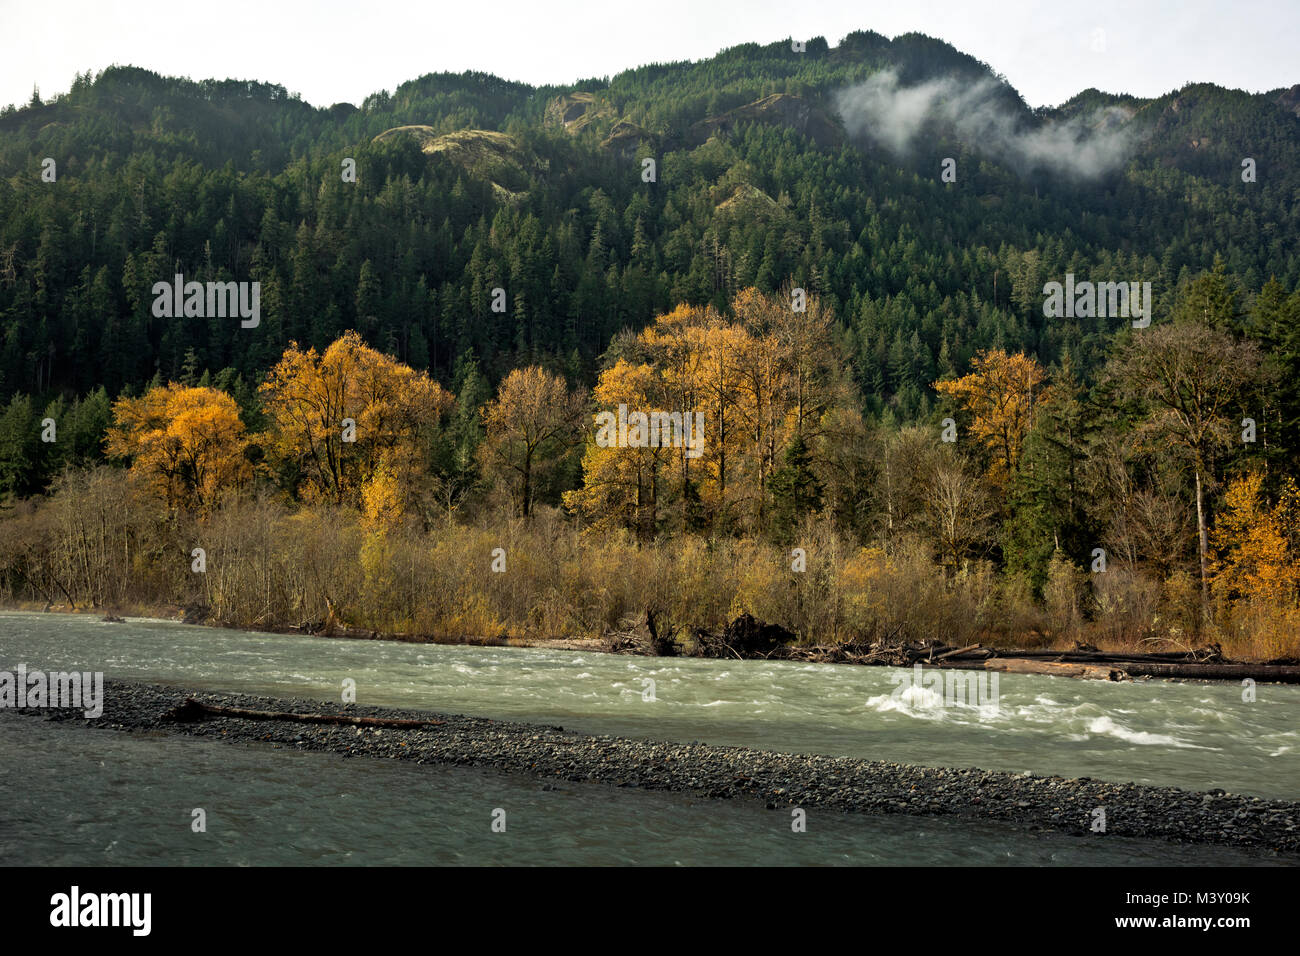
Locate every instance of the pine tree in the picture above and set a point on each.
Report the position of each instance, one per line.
(796, 490)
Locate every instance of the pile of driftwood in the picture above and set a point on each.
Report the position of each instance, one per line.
(746, 638)
(642, 636)
(1086, 661)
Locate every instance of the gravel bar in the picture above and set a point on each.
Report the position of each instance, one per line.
(777, 779)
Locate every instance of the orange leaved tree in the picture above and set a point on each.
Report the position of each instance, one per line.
(338, 417)
(1001, 394)
(1253, 559)
(187, 444)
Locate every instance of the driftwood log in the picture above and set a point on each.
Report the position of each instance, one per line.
(1276, 673)
(1012, 665)
(1203, 663)
(746, 638)
(193, 710)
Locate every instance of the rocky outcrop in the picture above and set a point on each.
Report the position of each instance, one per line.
(625, 138)
(483, 153)
(577, 111)
(779, 109)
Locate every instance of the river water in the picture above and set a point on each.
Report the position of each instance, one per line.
(71, 796)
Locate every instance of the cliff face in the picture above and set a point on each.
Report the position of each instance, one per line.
(625, 137)
(578, 110)
(778, 109)
(484, 153)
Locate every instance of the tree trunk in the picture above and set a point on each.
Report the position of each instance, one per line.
(528, 481)
(1202, 543)
(194, 710)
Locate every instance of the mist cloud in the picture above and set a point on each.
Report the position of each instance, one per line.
(894, 115)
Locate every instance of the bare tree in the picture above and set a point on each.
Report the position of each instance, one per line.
(958, 509)
(1191, 380)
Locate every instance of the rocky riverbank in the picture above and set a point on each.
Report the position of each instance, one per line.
(780, 780)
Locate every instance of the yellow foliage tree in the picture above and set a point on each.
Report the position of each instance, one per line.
(187, 444)
(758, 381)
(1001, 393)
(310, 398)
(793, 383)
(383, 501)
(531, 422)
(1253, 559)
(624, 486)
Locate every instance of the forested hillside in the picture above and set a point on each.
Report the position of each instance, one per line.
(240, 180)
(773, 169)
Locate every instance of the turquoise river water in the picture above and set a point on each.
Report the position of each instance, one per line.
(75, 797)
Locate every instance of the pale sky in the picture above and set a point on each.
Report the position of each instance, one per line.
(342, 50)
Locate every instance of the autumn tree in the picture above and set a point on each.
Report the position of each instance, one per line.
(808, 358)
(1252, 557)
(1001, 394)
(187, 444)
(792, 377)
(719, 374)
(769, 384)
(626, 486)
(672, 379)
(383, 501)
(338, 417)
(531, 423)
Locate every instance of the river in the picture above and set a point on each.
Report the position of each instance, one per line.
(70, 796)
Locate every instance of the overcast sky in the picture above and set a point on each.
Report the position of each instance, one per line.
(342, 50)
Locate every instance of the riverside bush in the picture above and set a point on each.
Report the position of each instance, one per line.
(272, 564)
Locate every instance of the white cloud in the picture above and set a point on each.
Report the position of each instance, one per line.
(886, 112)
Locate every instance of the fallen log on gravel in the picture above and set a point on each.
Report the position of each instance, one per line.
(193, 710)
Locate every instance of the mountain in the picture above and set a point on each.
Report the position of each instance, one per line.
(820, 168)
